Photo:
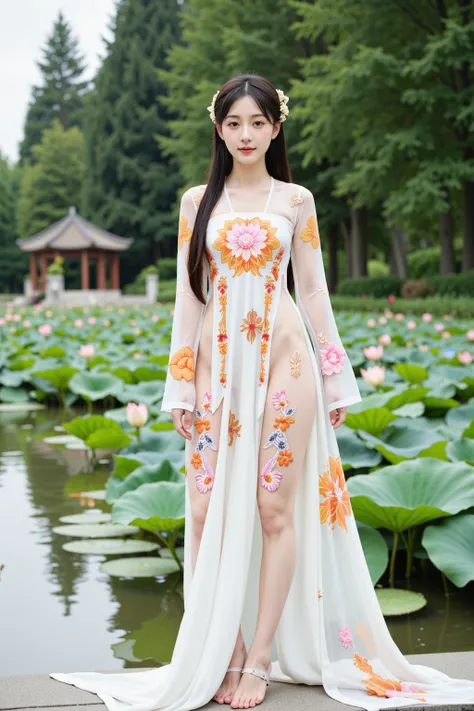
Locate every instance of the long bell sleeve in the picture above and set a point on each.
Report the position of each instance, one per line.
(314, 304)
(179, 389)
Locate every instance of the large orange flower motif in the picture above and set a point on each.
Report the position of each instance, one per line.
(182, 364)
(252, 324)
(185, 233)
(387, 688)
(234, 428)
(311, 232)
(283, 422)
(247, 245)
(337, 504)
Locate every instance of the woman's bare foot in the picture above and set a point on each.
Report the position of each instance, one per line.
(231, 680)
(251, 690)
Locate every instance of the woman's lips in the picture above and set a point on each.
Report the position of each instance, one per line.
(246, 150)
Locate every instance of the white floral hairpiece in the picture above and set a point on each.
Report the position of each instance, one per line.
(284, 111)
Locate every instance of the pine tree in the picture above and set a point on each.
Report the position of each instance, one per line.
(130, 184)
(13, 262)
(61, 94)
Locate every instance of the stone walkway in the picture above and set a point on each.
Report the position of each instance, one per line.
(39, 691)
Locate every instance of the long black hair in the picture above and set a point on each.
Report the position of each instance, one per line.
(264, 93)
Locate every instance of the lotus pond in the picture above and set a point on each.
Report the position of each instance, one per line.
(92, 487)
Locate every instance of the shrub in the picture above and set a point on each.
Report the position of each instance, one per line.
(425, 262)
(371, 286)
(416, 289)
(377, 269)
(454, 284)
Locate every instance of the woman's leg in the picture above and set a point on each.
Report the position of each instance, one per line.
(200, 469)
(287, 421)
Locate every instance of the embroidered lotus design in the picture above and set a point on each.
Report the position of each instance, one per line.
(184, 232)
(386, 688)
(246, 245)
(332, 487)
(182, 364)
(311, 233)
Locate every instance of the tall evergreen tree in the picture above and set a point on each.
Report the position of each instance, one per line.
(61, 94)
(54, 182)
(13, 262)
(130, 183)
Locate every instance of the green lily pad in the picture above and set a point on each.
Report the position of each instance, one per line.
(62, 439)
(411, 493)
(451, 549)
(110, 546)
(411, 409)
(393, 601)
(21, 406)
(462, 450)
(146, 392)
(354, 453)
(375, 551)
(98, 530)
(95, 386)
(373, 420)
(140, 567)
(460, 418)
(412, 373)
(400, 443)
(98, 431)
(98, 495)
(95, 517)
(166, 553)
(14, 395)
(117, 487)
(154, 507)
(58, 377)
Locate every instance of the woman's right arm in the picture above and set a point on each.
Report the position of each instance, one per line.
(179, 394)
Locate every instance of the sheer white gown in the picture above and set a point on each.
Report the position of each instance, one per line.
(223, 354)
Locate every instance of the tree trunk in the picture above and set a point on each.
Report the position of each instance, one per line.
(359, 241)
(468, 247)
(447, 263)
(347, 249)
(333, 239)
(398, 252)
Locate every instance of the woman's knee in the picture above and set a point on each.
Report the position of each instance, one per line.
(275, 515)
(199, 509)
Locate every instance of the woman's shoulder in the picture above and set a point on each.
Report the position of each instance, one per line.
(193, 195)
(294, 189)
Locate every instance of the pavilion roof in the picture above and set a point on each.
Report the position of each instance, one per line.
(73, 232)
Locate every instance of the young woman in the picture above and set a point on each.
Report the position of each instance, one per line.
(275, 580)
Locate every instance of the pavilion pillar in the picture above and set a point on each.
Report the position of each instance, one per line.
(44, 272)
(115, 271)
(101, 271)
(33, 271)
(84, 271)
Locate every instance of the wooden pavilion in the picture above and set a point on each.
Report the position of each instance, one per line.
(75, 238)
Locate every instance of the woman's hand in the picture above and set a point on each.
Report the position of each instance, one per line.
(177, 415)
(337, 416)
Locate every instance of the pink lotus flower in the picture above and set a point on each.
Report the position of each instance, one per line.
(132, 322)
(388, 313)
(465, 358)
(137, 356)
(423, 347)
(16, 317)
(86, 351)
(439, 327)
(13, 329)
(107, 323)
(382, 320)
(345, 637)
(155, 318)
(446, 334)
(373, 352)
(92, 320)
(371, 323)
(385, 339)
(48, 314)
(427, 318)
(78, 323)
(470, 335)
(391, 299)
(411, 325)
(246, 241)
(27, 324)
(399, 317)
(409, 344)
(45, 329)
(121, 312)
(375, 375)
(268, 479)
(332, 359)
(137, 415)
(2, 321)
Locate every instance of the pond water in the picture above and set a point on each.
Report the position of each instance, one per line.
(59, 612)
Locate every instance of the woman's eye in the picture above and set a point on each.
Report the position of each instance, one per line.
(232, 123)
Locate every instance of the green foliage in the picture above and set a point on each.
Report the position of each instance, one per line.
(426, 262)
(436, 305)
(371, 286)
(454, 284)
(61, 94)
(54, 182)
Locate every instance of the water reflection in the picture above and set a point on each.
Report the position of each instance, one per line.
(64, 614)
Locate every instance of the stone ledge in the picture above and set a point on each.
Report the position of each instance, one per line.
(39, 691)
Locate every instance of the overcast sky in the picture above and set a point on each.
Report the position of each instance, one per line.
(24, 28)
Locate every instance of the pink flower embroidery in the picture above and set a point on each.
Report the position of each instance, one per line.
(205, 482)
(345, 637)
(270, 480)
(332, 359)
(279, 399)
(246, 241)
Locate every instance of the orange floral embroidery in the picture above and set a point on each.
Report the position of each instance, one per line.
(202, 424)
(270, 286)
(246, 245)
(295, 365)
(310, 232)
(185, 233)
(386, 688)
(283, 422)
(319, 594)
(182, 364)
(296, 200)
(222, 328)
(196, 460)
(213, 270)
(234, 428)
(251, 325)
(285, 457)
(332, 487)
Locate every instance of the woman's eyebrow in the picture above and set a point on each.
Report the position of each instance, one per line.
(237, 115)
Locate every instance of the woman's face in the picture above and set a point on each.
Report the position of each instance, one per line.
(246, 126)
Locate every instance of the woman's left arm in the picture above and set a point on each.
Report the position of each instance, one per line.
(312, 298)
